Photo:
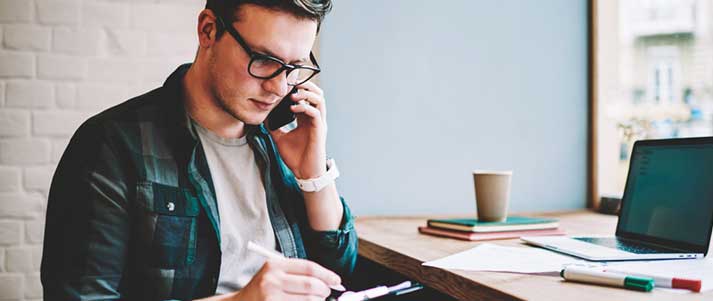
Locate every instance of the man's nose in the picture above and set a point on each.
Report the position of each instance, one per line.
(277, 85)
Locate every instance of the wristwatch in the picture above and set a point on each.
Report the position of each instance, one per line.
(317, 184)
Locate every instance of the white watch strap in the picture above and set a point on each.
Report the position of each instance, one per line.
(317, 184)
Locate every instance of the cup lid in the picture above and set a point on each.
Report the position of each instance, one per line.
(492, 172)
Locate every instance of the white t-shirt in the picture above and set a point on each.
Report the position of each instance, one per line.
(242, 205)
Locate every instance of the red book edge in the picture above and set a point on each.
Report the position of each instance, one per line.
(488, 235)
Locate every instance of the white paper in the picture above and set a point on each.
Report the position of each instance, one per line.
(530, 260)
(701, 269)
(491, 257)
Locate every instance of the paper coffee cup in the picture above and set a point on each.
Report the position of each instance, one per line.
(492, 194)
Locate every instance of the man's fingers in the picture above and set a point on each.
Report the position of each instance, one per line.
(308, 268)
(305, 285)
(310, 86)
(307, 110)
(303, 297)
(313, 99)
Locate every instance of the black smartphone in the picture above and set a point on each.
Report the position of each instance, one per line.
(281, 114)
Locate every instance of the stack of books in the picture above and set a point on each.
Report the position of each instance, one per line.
(472, 229)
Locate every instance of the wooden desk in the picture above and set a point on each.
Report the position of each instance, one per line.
(395, 243)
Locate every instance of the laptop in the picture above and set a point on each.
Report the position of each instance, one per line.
(666, 210)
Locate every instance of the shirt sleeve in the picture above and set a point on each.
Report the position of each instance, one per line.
(335, 249)
(87, 223)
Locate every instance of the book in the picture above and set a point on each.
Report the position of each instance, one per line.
(512, 223)
(473, 236)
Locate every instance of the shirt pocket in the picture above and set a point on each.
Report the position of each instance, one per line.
(168, 220)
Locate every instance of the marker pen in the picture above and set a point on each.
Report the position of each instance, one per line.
(579, 274)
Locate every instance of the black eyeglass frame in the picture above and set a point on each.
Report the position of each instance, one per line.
(261, 56)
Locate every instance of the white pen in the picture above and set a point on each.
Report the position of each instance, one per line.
(402, 288)
(272, 254)
(579, 274)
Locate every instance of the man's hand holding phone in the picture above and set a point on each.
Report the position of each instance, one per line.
(304, 149)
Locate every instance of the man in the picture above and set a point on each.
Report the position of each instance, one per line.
(156, 198)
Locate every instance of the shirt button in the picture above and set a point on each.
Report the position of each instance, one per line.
(170, 206)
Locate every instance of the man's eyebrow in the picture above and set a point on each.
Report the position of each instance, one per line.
(270, 53)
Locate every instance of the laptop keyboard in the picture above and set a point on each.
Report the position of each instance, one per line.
(624, 245)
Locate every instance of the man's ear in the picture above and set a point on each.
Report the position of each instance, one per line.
(207, 28)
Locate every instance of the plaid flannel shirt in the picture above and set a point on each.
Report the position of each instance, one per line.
(132, 211)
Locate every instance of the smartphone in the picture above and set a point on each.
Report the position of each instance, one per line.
(281, 115)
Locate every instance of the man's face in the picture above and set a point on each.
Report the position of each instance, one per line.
(274, 33)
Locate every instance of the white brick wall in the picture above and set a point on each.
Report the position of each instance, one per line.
(27, 37)
(15, 11)
(62, 61)
(16, 64)
(30, 94)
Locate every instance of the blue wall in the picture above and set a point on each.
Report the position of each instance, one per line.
(420, 93)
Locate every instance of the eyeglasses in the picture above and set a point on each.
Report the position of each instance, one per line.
(264, 66)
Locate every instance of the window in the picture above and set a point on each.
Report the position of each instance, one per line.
(653, 79)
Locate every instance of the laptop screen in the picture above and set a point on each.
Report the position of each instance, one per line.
(669, 192)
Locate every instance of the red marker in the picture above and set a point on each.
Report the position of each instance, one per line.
(669, 282)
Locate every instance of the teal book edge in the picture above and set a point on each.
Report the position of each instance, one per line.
(510, 220)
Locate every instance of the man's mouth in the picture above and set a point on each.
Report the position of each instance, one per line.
(262, 105)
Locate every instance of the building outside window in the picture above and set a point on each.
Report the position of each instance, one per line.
(654, 78)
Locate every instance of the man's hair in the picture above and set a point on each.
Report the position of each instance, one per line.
(306, 9)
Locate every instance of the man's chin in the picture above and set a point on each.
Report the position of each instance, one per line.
(253, 120)
(250, 119)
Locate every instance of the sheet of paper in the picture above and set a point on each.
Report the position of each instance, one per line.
(688, 268)
(491, 257)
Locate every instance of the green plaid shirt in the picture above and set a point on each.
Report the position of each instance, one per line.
(132, 212)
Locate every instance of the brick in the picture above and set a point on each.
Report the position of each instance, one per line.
(113, 70)
(33, 285)
(95, 96)
(14, 123)
(23, 151)
(181, 18)
(176, 43)
(29, 94)
(110, 15)
(61, 67)
(142, 87)
(58, 12)
(77, 41)
(38, 178)
(58, 147)
(10, 233)
(56, 123)
(36, 252)
(19, 260)
(65, 95)
(27, 37)
(125, 42)
(2, 94)
(9, 179)
(14, 64)
(34, 232)
(15, 10)
(156, 71)
(11, 286)
(16, 205)
(200, 3)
